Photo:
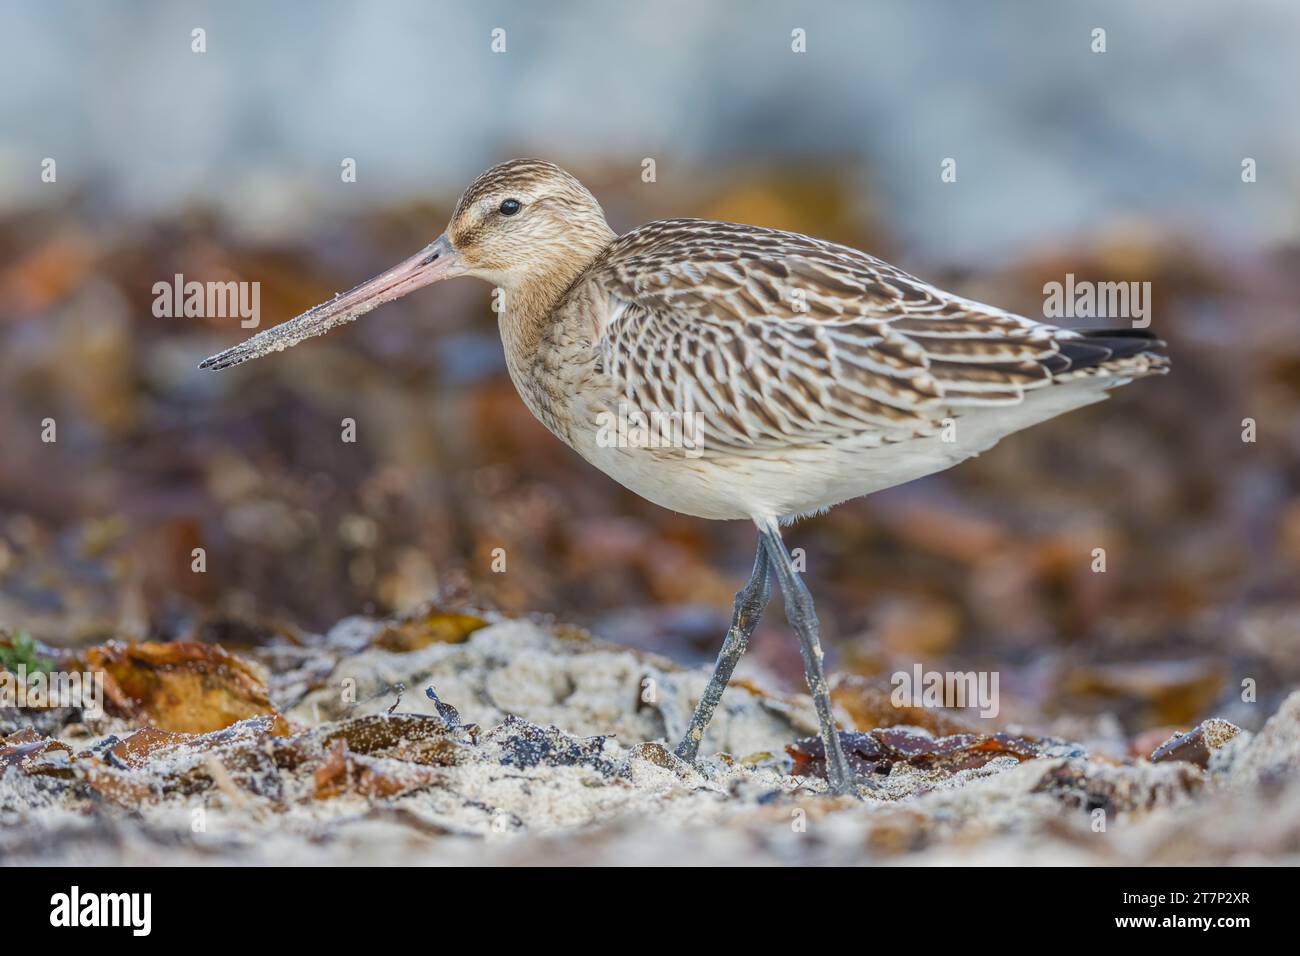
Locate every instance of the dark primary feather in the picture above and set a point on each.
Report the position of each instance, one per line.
(1096, 347)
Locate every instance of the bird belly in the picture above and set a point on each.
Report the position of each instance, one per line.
(790, 482)
(776, 485)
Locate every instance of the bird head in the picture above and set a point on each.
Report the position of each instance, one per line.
(521, 223)
(524, 219)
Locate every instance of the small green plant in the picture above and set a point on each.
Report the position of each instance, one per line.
(21, 650)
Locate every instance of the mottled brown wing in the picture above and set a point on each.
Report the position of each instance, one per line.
(781, 339)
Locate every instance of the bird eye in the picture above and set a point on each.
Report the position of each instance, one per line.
(510, 207)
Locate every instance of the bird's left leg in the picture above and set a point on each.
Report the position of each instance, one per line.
(750, 601)
(801, 614)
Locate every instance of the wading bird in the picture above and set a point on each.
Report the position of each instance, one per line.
(817, 373)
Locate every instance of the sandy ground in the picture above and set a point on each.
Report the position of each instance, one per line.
(547, 747)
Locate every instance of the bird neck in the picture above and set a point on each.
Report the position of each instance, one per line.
(530, 304)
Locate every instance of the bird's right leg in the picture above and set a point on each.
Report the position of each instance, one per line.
(801, 614)
(750, 602)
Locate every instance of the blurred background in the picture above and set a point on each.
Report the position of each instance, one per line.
(226, 165)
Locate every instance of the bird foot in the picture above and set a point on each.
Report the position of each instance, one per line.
(844, 788)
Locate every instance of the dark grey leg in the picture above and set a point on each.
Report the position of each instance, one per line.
(750, 601)
(802, 616)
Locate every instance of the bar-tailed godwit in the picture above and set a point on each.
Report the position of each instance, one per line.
(815, 373)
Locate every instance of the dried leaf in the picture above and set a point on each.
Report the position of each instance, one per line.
(875, 753)
(26, 749)
(436, 627)
(183, 686)
(344, 772)
(418, 738)
(1197, 745)
(122, 788)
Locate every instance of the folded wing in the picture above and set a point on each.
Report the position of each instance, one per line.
(778, 339)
